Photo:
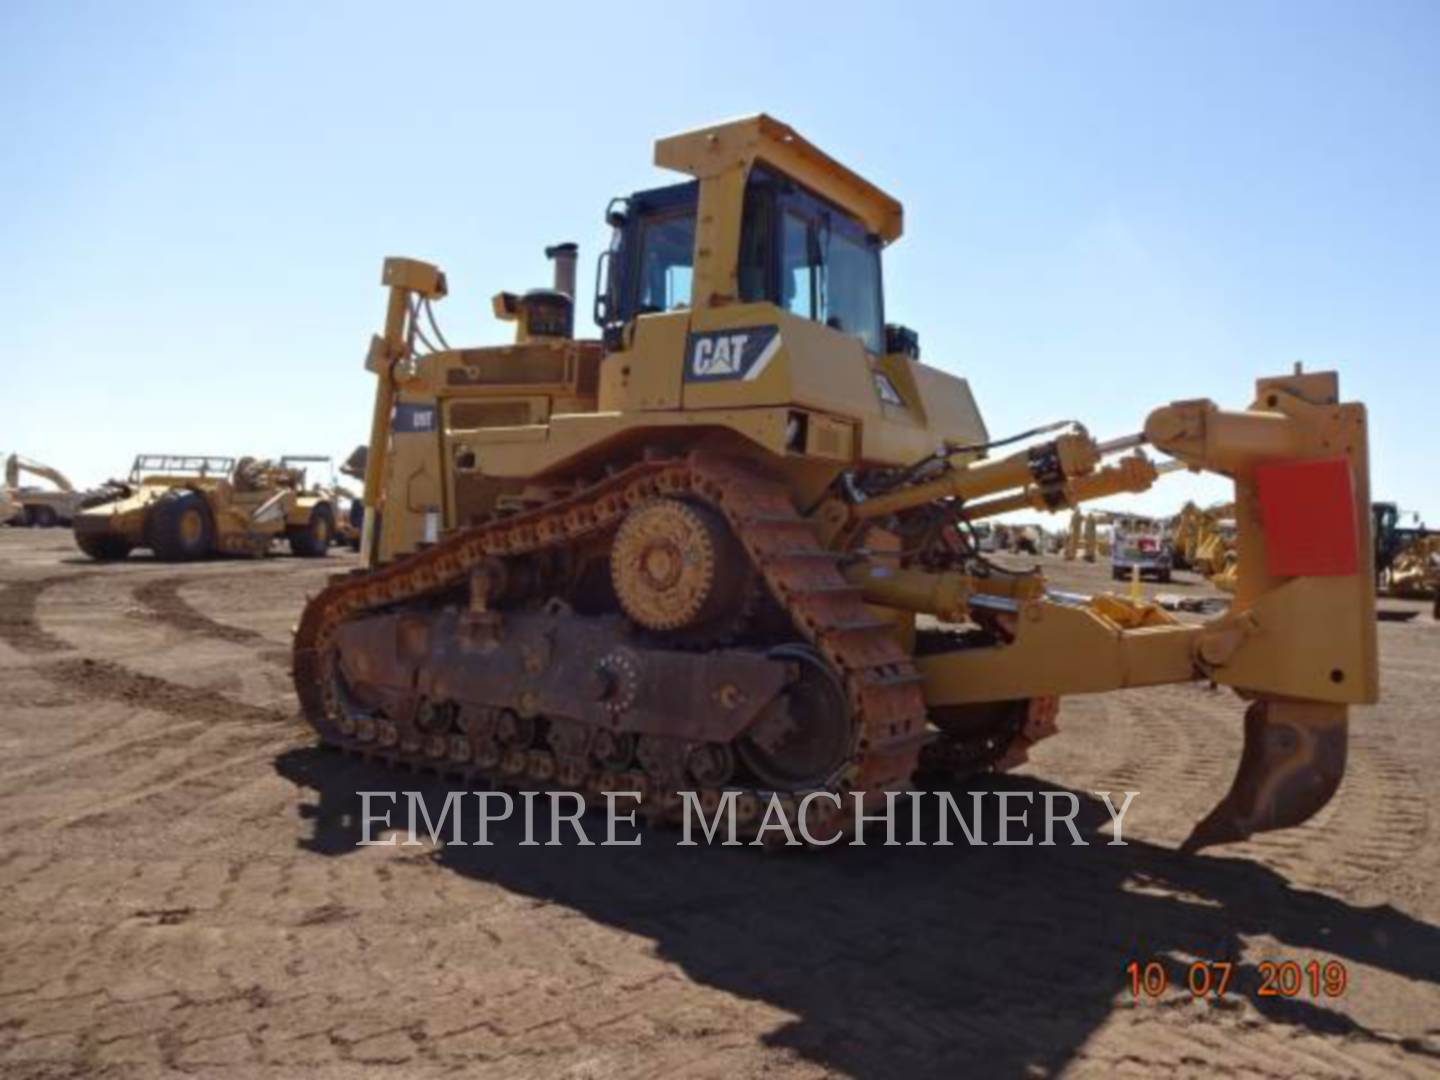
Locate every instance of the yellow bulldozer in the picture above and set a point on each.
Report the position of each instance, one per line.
(185, 507)
(727, 548)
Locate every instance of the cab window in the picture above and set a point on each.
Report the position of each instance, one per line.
(797, 267)
(849, 296)
(667, 263)
(650, 265)
(827, 267)
(796, 250)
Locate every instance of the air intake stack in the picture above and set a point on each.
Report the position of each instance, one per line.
(545, 313)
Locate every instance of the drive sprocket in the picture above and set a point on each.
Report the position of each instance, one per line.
(676, 566)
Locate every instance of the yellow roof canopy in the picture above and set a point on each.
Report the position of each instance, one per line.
(710, 151)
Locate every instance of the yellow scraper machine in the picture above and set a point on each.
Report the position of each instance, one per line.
(728, 545)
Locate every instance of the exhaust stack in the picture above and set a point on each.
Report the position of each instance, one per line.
(564, 256)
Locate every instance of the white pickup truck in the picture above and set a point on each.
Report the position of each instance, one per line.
(1149, 550)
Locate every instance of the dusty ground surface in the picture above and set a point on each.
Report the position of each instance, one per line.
(180, 890)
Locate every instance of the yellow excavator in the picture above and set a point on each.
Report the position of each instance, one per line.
(726, 547)
(39, 506)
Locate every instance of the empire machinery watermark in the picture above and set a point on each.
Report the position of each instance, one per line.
(559, 819)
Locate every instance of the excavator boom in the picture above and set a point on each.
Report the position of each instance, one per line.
(15, 466)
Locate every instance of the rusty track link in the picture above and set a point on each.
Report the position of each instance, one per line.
(882, 684)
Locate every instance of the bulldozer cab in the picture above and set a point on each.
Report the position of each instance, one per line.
(784, 224)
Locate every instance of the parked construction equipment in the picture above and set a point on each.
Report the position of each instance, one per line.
(1205, 542)
(39, 506)
(345, 505)
(1074, 536)
(1407, 558)
(186, 507)
(350, 523)
(690, 556)
(1093, 546)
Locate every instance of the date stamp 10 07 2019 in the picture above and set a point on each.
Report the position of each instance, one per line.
(1216, 978)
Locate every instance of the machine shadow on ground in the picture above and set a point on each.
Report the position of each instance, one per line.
(923, 960)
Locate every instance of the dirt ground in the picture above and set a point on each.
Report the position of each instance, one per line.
(180, 890)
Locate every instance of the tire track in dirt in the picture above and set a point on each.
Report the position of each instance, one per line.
(222, 734)
(1207, 736)
(1373, 826)
(1159, 754)
(110, 681)
(163, 603)
(98, 752)
(1189, 754)
(1175, 1038)
(211, 733)
(19, 627)
(1178, 742)
(1172, 745)
(209, 771)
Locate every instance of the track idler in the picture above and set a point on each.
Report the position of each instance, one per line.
(1293, 760)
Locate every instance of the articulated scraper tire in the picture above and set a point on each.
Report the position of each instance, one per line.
(180, 527)
(103, 547)
(357, 524)
(312, 540)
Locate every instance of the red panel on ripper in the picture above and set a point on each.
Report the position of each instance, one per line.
(1308, 509)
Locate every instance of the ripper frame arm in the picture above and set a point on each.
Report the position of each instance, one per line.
(1308, 635)
(1298, 641)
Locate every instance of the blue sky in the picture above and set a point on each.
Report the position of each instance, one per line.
(1108, 206)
